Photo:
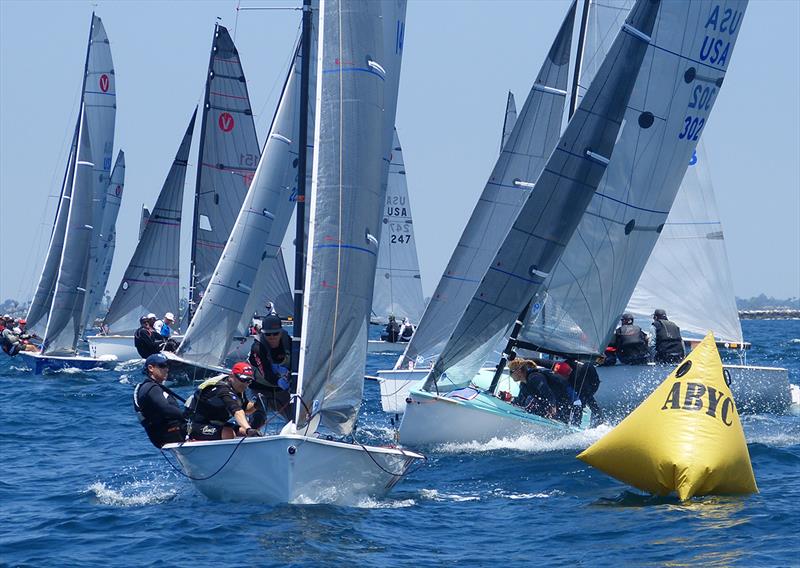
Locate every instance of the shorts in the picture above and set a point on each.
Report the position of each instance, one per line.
(203, 432)
(171, 434)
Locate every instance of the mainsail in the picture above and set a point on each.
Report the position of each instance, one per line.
(510, 119)
(398, 287)
(554, 207)
(151, 280)
(587, 291)
(109, 230)
(61, 334)
(347, 196)
(256, 236)
(100, 102)
(691, 243)
(534, 136)
(229, 154)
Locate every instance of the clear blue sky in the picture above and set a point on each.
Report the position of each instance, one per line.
(461, 57)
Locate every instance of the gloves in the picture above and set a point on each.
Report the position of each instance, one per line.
(505, 395)
(252, 433)
(283, 383)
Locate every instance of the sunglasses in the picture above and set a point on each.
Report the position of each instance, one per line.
(273, 334)
(244, 378)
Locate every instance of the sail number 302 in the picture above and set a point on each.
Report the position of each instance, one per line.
(701, 100)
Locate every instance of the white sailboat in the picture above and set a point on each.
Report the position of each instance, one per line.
(297, 465)
(60, 307)
(657, 108)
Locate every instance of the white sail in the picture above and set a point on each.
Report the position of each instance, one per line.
(554, 207)
(591, 285)
(533, 138)
(345, 216)
(691, 244)
(398, 286)
(61, 334)
(229, 154)
(255, 239)
(150, 282)
(100, 102)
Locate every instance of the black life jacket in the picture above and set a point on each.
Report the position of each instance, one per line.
(630, 343)
(267, 356)
(208, 404)
(669, 344)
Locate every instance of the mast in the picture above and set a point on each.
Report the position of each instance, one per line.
(300, 244)
(196, 215)
(573, 101)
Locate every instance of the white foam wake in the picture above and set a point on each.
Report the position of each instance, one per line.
(132, 494)
(531, 443)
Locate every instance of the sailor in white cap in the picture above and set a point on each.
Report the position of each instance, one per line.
(164, 326)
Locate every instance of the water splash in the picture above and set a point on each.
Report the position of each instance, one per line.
(434, 495)
(132, 493)
(531, 443)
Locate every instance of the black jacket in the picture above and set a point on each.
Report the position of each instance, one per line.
(270, 364)
(147, 342)
(157, 409)
(217, 402)
(631, 344)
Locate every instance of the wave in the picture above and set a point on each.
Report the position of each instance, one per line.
(531, 443)
(434, 495)
(132, 494)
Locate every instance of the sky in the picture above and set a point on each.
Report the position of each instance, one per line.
(460, 59)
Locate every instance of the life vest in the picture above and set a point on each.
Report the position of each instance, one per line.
(211, 409)
(9, 347)
(630, 344)
(269, 378)
(669, 344)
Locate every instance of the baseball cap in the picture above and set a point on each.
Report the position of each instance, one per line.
(151, 316)
(156, 359)
(271, 325)
(242, 371)
(169, 316)
(562, 369)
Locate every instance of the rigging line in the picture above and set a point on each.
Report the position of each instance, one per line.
(181, 472)
(383, 469)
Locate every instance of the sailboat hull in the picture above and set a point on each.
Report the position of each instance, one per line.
(292, 469)
(623, 387)
(120, 346)
(433, 420)
(378, 346)
(41, 364)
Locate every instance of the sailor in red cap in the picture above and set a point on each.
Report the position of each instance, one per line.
(220, 399)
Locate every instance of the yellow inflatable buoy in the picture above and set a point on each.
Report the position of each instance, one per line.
(685, 437)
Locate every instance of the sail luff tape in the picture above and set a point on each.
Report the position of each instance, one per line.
(636, 33)
(550, 90)
(597, 158)
(280, 137)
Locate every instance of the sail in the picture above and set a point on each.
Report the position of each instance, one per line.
(691, 244)
(347, 197)
(61, 334)
(398, 286)
(151, 283)
(109, 231)
(533, 138)
(100, 102)
(229, 154)
(578, 308)
(555, 205)
(256, 236)
(43, 296)
(510, 119)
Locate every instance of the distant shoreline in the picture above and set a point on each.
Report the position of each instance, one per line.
(773, 314)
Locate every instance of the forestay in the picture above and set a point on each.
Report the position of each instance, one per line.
(532, 140)
(151, 283)
(100, 102)
(555, 205)
(229, 154)
(345, 215)
(582, 300)
(256, 236)
(61, 334)
(688, 273)
(398, 286)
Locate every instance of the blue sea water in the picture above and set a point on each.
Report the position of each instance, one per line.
(82, 486)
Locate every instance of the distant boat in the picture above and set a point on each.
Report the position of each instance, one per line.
(298, 465)
(64, 296)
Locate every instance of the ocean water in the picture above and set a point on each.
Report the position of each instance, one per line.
(82, 486)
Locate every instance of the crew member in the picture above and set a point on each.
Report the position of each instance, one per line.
(9, 341)
(163, 327)
(271, 357)
(219, 399)
(159, 411)
(406, 330)
(535, 394)
(630, 342)
(392, 331)
(584, 380)
(666, 343)
(146, 340)
(26, 338)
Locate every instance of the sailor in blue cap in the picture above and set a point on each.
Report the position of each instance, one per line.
(157, 406)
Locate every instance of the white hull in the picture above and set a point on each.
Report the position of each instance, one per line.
(378, 346)
(623, 387)
(432, 420)
(292, 469)
(120, 346)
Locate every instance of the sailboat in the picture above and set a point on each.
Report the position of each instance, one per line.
(58, 310)
(298, 465)
(398, 284)
(227, 158)
(657, 108)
